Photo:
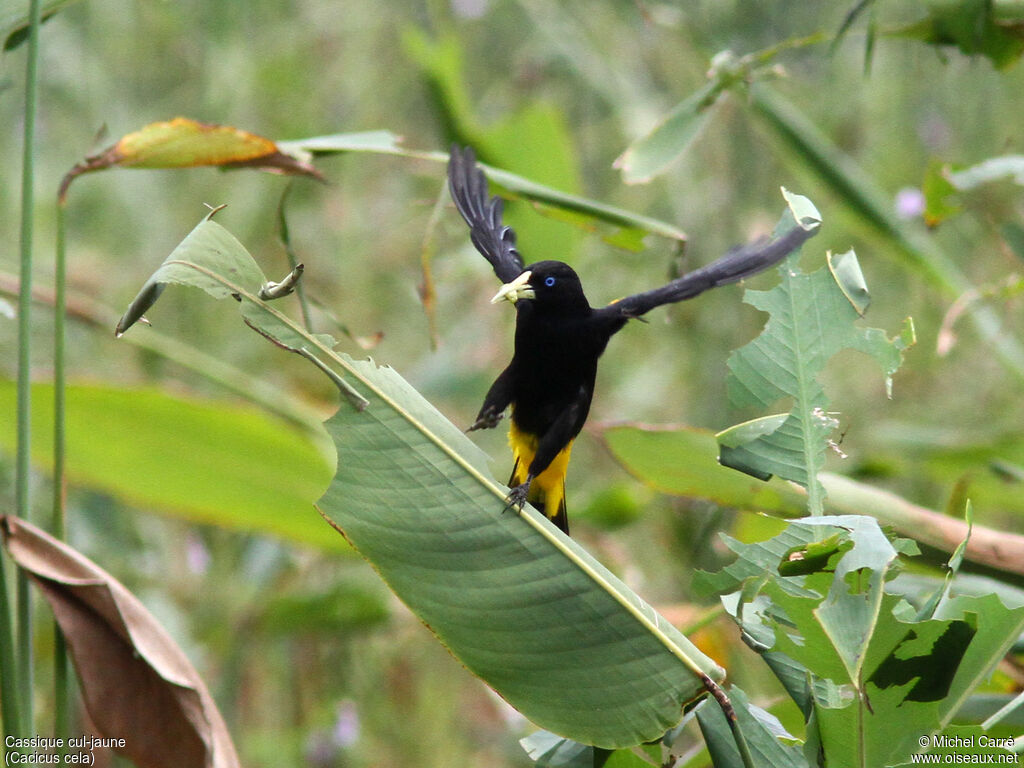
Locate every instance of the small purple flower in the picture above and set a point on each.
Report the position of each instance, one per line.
(469, 9)
(197, 556)
(910, 203)
(346, 724)
(323, 746)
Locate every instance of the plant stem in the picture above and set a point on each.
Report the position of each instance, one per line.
(1006, 709)
(22, 497)
(8, 666)
(62, 716)
(427, 291)
(59, 378)
(293, 261)
(729, 712)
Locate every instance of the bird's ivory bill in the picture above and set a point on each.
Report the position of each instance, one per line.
(516, 290)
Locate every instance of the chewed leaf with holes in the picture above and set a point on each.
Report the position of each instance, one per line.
(521, 605)
(870, 674)
(811, 318)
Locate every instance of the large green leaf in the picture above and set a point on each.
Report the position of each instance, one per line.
(522, 606)
(209, 461)
(517, 602)
(683, 461)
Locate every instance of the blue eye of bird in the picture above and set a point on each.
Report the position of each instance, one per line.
(549, 281)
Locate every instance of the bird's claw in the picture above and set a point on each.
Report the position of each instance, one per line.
(516, 498)
(487, 420)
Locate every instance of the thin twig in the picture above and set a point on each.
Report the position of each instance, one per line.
(293, 261)
(428, 293)
(730, 717)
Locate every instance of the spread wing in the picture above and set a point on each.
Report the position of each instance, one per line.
(742, 261)
(495, 241)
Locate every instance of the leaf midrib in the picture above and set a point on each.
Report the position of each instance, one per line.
(803, 396)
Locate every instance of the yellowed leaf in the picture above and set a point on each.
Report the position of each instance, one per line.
(186, 143)
(181, 143)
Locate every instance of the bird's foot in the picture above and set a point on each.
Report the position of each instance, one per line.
(517, 496)
(486, 420)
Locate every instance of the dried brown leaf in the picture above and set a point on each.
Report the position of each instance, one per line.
(137, 683)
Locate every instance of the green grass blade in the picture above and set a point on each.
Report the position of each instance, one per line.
(518, 603)
(59, 376)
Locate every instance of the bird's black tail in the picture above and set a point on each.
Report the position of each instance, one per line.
(561, 517)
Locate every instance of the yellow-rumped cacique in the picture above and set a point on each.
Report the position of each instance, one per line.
(549, 384)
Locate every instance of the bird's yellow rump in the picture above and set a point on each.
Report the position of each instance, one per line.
(547, 491)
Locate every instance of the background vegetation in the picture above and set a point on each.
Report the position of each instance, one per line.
(300, 644)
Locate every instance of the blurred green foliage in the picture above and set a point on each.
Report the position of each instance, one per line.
(555, 92)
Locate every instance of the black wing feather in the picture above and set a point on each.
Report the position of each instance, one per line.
(468, 188)
(740, 262)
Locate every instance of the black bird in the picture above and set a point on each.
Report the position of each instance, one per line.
(559, 336)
